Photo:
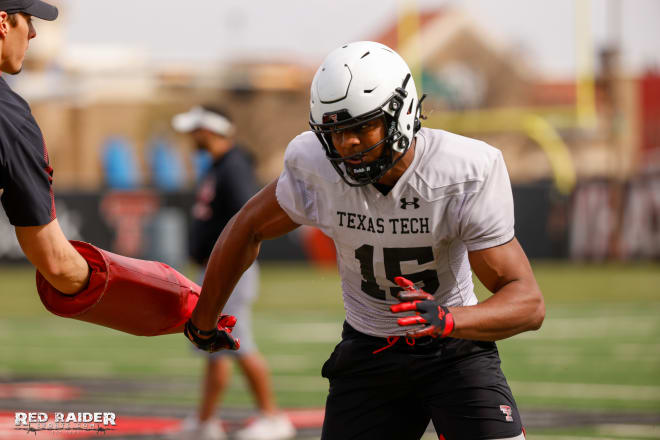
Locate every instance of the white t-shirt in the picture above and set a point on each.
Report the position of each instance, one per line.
(454, 197)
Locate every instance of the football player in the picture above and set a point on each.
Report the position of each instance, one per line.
(413, 212)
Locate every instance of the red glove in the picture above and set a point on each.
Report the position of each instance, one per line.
(440, 321)
(216, 339)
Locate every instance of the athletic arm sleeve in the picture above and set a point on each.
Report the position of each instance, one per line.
(487, 218)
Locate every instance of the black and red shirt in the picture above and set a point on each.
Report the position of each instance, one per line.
(25, 173)
(222, 193)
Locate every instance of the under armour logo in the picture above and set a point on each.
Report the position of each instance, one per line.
(405, 203)
(506, 410)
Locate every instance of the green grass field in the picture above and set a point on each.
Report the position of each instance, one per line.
(598, 350)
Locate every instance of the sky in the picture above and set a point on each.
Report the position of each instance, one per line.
(210, 31)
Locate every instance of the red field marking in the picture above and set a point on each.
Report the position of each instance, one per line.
(39, 391)
(301, 418)
(306, 418)
(126, 425)
(131, 425)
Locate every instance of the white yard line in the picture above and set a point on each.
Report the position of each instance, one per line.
(304, 332)
(637, 350)
(85, 368)
(642, 431)
(587, 391)
(293, 362)
(567, 437)
(595, 327)
(301, 384)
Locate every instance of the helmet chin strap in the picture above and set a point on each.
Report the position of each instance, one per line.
(374, 170)
(377, 168)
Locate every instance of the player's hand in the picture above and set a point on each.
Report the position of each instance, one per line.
(440, 321)
(214, 340)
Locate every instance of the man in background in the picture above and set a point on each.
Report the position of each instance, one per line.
(222, 192)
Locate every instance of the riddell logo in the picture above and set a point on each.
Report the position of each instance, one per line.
(506, 410)
(330, 118)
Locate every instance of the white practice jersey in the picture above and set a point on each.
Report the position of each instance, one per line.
(454, 197)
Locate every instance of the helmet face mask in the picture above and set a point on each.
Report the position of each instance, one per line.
(360, 171)
(356, 84)
(363, 172)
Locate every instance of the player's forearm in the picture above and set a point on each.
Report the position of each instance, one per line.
(233, 253)
(260, 219)
(515, 308)
(50, 252)
(70, 275)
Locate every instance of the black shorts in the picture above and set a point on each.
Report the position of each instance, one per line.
(394, 393)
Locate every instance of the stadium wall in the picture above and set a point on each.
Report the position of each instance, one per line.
(602, 219)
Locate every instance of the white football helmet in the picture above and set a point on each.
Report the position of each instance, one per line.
(357, 83)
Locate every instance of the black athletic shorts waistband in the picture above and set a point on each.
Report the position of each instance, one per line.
(397, 343)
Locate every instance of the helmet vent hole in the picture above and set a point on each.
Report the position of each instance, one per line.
(365, 54)
(369, 91)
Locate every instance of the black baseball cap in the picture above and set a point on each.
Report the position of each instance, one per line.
(36, 8)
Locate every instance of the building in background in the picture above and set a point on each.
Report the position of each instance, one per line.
(603, 168)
